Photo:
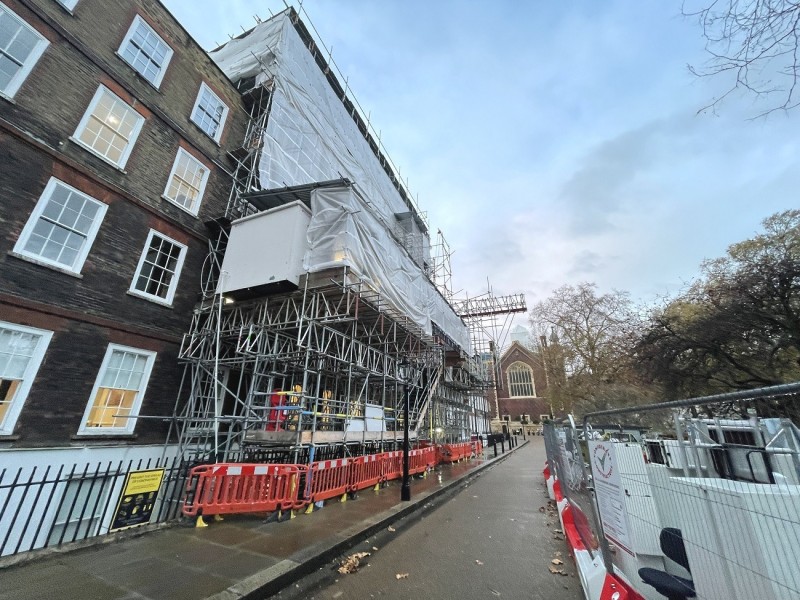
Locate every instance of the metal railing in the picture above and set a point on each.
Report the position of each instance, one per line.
(45, 506)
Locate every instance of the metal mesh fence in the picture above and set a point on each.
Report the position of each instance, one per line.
(565, 454)
(701, 498)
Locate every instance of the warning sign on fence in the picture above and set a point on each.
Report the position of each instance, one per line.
(610, 494)
(138, 497)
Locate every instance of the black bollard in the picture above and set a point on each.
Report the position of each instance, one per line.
(494, 445)
(503, 444)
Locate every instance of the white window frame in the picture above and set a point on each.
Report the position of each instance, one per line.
(19, 247)
(218, 135)
(195, 208)
(137, 404)
(69, 5)
(173, 286)
(9, 421)
(511, 384)
(88, 114)
(18, 79)
(137, 21)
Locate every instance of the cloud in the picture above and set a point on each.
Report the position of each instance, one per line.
(586, 263)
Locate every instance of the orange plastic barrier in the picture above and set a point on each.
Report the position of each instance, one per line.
(327, 479)
(455, 452)
(417, 462)
(430, 456)
(477, 447)
(421, 460)
(392, 465)
(365, 471)
(226, 488)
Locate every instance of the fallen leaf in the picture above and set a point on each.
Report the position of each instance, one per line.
(555, 571)
(401, 576)
(477, 562)
(541, 509)
(350, 564)
(557, 561)
(374, 548)
(390, 528)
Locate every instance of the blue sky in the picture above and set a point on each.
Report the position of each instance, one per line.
(552, 142)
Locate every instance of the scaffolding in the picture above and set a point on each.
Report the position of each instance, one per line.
(329, 363)
(489, 318)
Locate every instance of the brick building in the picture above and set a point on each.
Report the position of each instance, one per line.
(115, 128)
(521, 391)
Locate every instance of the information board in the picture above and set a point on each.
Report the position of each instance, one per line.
(610, 494)
(138, 497)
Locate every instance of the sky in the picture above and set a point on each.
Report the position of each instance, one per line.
(552, 142)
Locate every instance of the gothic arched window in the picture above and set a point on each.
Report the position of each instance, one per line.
(520, 380)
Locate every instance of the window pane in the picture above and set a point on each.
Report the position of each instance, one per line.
(156, 274)
(185, 185)
(110, 127)
(8, 69)
(209, 112)
(16, 349)
(22, 45)
(119, 386)
(18, 49)
(8, 390)
(145, 51)
(61, 231)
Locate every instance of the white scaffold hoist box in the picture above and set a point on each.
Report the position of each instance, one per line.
(265, 250)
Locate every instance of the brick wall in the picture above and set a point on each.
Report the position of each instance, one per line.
(515, 407)
(88, 312)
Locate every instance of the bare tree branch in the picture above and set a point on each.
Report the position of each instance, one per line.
(756, 42)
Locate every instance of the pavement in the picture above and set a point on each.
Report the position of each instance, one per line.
(245, 556)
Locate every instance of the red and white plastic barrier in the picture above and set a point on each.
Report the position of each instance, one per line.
(226, 488)
(327, 479)
(597, 582)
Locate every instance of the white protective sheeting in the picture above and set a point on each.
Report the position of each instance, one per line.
(345, 232)
(311, 137)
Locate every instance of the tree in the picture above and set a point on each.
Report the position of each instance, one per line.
(738, 326)
(755, 42)
(590, 338)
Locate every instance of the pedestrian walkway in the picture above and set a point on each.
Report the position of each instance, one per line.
(244, 556)
(489, 541)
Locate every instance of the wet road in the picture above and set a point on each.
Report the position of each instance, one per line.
(494, 539)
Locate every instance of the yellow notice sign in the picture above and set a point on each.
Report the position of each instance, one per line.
(135, 506)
